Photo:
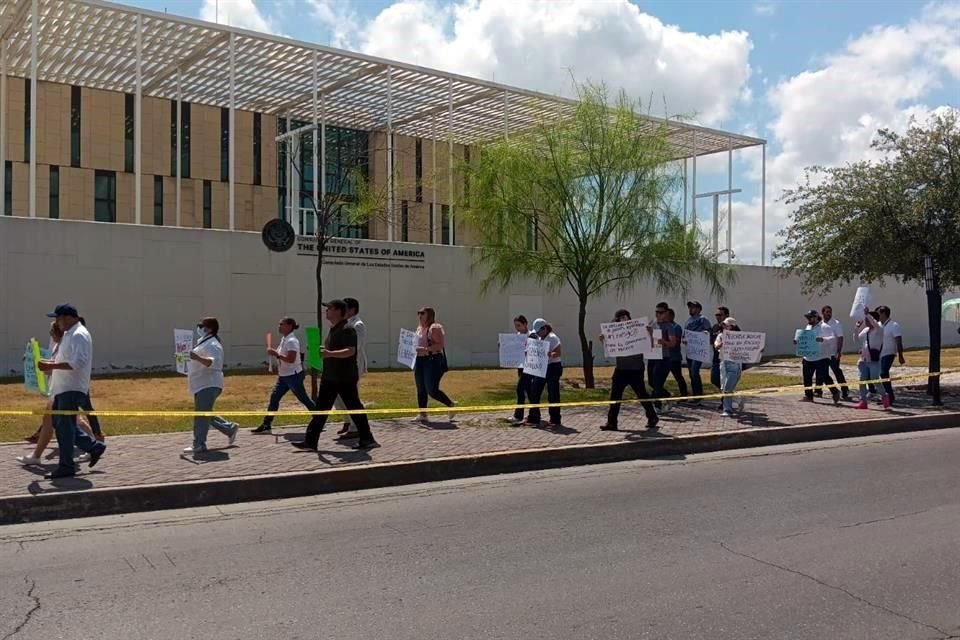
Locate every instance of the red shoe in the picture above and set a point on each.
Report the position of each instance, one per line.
(885, 402)
(861, 405)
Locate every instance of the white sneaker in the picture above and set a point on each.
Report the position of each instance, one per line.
(453, 414)
(28, 460)
(233, 436)
(420, 419)
(191, 450)
(727, 414)
(83, 457)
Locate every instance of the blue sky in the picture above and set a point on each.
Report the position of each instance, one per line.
(814, 78)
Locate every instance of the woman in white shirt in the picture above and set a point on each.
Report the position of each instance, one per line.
(870, 333)
(205, 379)
(554, 372)
(289, 373)
(730, 371)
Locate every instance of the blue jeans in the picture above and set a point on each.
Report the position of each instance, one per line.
(715, 373)
(524, 383)
(552, 384)
(292, 383)
(204, 400)
(729, 377)
(695, 382)
(68, 433)
(427, 371)
(868, 371)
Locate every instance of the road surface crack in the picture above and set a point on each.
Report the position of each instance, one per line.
(32, 587)
(945, 634)
(887, 519)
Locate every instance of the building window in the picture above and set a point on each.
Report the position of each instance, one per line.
(173, 138)
(128, 127)
(224, 144)
(532, 240)
(445, 224)
(27, 87)
(257, 149)
(8, 188)
(207, 205)
(75, 126)
(419, 162)
(54, 191)
(184, 139)
(430, 222)
(105, 196)
(158, 200)
(404, 221)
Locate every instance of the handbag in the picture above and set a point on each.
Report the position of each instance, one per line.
(874, 353)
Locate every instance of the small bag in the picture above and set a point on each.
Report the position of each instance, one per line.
(874, 353)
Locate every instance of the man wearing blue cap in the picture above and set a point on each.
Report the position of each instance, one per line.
(70, 388)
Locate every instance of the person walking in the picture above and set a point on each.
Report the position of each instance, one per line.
(675, 352)
(834, 362)
(73, 364)
(524, 380)
(431, 363)
(816, 368)
(290, 373)
(730, 371)
(721, 314)
(545, 332)
(349, 430)
(205, 381)
(339, 378)
(628, 372)
(696, 323)
(870, 333)
(892, 349)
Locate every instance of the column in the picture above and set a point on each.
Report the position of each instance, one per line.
(179, 146)
(434, 224)
(450, 158)
(138, 130)
(314, 133)
(730, 202)
(3, 126)
(390, 216)
(763, 207)
(693, 192)
(34, 37)
(232, 136)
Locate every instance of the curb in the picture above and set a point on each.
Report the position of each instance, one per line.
(201, 493)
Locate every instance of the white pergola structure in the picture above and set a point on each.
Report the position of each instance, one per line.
(101, 45)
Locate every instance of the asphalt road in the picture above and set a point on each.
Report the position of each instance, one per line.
(852, 539)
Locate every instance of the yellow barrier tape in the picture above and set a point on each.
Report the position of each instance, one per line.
(458, 409)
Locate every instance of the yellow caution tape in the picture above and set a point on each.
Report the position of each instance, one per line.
(457, 409)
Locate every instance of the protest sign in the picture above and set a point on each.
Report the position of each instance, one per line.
(652, 349)
(744, 347)
(860, 300)
(699, 348)
(513, 347)
(314, 347)
(537, 358)
(624, 338)
(182, 346)
(407, 348)
(33, 378)
(807, 345)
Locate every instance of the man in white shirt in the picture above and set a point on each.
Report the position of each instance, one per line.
(349, 429)
(834, 361)
(818, 367)
(892, 347)
(73, 363)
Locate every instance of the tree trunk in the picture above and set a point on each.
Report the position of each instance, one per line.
(314, 388)
(934, 300)
(586, 346)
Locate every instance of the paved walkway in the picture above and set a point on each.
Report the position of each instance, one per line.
(134, 460)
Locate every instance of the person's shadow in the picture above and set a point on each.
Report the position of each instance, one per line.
(59, 485)
(212, 455)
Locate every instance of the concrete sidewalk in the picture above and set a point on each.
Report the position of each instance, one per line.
(141, 473)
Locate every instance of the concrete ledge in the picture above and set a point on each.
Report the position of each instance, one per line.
(117, 500)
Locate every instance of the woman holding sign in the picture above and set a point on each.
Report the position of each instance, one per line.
(730, 371)
(205, 380)
(554, 371)
(289, 373)
(431, 362)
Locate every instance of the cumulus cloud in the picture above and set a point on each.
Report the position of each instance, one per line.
(236, 13)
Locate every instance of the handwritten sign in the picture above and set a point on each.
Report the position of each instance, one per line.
(652, 349)
(699, 348)
(34, 379)
(513, 350)
(860, 300)
(537, 358)
(182, 345)
(744, 347)
(407, 348)
(314, 346)
(624, 338)
(807, 345)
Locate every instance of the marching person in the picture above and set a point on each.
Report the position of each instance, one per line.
(675, 351)
(870, 333)
(73, 363)
(696, 323)
(339, 378)
(290, 373)
(205, 380)
(545, 332)
(349, 430)
(628, 373)
(892, 348)
(658, 370)
(730, 371)
(834, 363)
(524, 380)
(818, 367)
(431, 363)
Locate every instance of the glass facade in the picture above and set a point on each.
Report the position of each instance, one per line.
(105, 196)
(54, 191)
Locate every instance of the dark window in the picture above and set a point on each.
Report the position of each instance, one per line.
(445, 224)
(8, 188)
(257, 149)
(128, 127)
(75, 111)
(224, 144)
(532, 240)
(207, 205)
(27, 87)
(404, 221)
(158, 200)
(466, 175)
(419, 161)
(432, 238)
(184, 139)
(105, 196)
(173, 138)
(54, 191)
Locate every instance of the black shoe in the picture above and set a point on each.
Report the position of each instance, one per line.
(819, 394)
(305, 446)
(349, 435)
(836, 400)
(652, 424)
(60, 473)
(366, 446)
(264, 428)
(96, 455)
(608, 427)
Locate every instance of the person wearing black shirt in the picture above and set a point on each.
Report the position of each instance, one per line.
(339, 378)
(628, 373)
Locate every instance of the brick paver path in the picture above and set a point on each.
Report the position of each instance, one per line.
(133, 460)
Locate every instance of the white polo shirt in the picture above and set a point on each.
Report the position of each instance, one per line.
(76, 349)
(553, 341)
(200, 377)
(289, 343)
(361, 330)
(837, 333)
(828, 348)
(891, 331)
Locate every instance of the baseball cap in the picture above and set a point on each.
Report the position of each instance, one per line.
(64, 310)
(813, 313)
(694, 303)
(731, 321)
(538, 324)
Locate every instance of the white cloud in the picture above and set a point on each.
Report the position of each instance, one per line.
(764, 8)
(236, 13)
(339, 18)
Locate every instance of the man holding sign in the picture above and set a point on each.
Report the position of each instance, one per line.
(628, 373)
(816, 344)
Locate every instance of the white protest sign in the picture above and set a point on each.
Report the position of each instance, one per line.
(744, 347)
(699, 348)
(652, 349)
(513, 348)
(182, 345)
(407, 348)
(860, 300)
(537, 358)
(624, 338)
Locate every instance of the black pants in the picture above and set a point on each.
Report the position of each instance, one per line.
(886, 363)
(622, 379)
(552, 384)
(326, 396)
(819, 371)
(834, 367)
(524, 382)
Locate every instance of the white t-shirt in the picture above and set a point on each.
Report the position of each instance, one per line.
(828, 348)
(289, 343)
(76, 348)
(875, 335)
(200, 377)
(553, 340)
(891, 331)
(361, 330)
(837, 333)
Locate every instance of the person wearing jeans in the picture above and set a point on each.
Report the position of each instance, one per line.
(870, 333)
(892, 348)
(431, 363)
(205, 380)
(730, 371)
(696, 323)
(524, 380)
(628, 373)
(554, 372)
(289, 373)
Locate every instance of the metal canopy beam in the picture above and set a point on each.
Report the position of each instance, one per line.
(444, 107)
(327, 89)
(187, 62)
(20, 14)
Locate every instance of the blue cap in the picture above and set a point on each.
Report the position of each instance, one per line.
(64, 310)
(538, 324)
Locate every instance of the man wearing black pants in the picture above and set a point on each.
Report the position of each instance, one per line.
(817, 368)
(339, 378)
(834, 362)
(628, 373)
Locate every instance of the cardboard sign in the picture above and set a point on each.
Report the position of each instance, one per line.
(622, 339)
(407, 348)
(699, 348)
(513, 350)
(33, 378)
(537, 358)
(861, 300)
(182, 346)
(807, 345)
(744, 347)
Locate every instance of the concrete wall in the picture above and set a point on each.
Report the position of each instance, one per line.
(136, 284)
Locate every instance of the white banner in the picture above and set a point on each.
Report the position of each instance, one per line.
(860, 300)
(407, 348)
(652, 349)
(744, 347)
(182, 346)
(699, 348)
(624, 338)
(537, 358)
(513, 350)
